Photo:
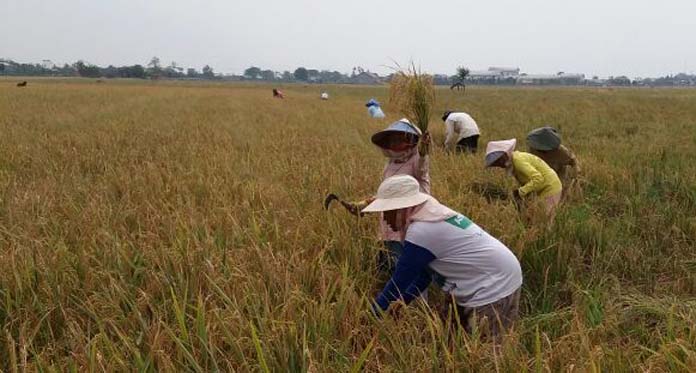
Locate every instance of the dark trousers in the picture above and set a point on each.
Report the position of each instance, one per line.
(468, 144)
(492, 320)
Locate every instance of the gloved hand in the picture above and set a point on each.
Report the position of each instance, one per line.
(355, 207)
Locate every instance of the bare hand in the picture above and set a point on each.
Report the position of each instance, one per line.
(424, 144)
(396, 309)
(353, 208)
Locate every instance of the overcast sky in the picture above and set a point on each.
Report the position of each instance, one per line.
(603, 37)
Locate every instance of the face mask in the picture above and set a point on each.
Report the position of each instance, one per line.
(395, 155)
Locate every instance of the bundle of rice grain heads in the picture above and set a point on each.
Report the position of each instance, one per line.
(412, 93)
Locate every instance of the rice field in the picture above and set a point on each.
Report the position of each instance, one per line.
(178, 227)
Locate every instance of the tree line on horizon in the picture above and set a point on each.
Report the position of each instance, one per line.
(154, 70)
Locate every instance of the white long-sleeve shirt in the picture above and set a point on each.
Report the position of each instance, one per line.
(459, 126)
(477, 268)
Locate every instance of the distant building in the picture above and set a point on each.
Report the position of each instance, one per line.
(483, 74)
(441, 79)
(548, 79)
(683, 79)
(506, 72)
(366, 78)
(48, 64)
(8, 66)
(597, 82)
(537, 79)
(494, 75)
(231, 78)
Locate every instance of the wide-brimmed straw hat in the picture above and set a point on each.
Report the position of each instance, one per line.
(403, 126)
(397, 192)
(544, 139)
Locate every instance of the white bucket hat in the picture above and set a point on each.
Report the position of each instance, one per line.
(397, 192)
(496, 149)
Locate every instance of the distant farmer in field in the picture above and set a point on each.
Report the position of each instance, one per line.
(406, 155)
(545, 143)
(277, 93)
(535, 176)
(374, 109)
(461, 129)
(481, 275)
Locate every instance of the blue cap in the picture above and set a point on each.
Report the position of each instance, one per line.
(372, 102)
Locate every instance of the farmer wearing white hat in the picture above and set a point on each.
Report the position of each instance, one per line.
(407, 154)
(482, 276)
(535, 176)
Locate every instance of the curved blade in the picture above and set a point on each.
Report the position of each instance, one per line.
(329, 198)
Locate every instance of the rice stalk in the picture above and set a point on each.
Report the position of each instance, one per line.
(114, 197)
(413, 95)
(259, 349)
(358, 366)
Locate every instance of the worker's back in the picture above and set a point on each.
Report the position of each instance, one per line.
(463, 124)
(558, 159)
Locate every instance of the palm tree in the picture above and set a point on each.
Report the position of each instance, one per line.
(460, 78)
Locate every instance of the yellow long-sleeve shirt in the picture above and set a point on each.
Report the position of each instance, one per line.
(535, 175)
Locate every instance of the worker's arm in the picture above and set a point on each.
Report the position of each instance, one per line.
(449, 127)
(424, 144)
(536, 179)
(356, 207)
(422, 172)
(410, 277)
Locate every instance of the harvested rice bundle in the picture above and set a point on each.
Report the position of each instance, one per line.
(412, 93)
